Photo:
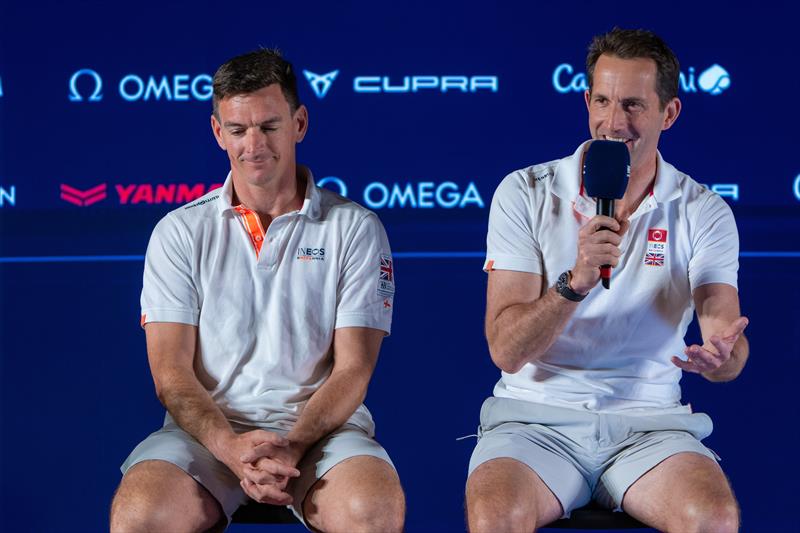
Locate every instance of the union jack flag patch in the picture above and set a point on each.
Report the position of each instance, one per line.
(653, 259)
(386, 276)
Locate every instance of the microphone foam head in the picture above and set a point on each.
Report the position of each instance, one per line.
(606, 169)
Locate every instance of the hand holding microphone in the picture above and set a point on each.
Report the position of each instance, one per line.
(598, 246)
(606, 169)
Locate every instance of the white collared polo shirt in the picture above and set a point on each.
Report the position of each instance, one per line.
(614, 353)
(266, 304)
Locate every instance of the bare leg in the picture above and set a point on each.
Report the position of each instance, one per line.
(159, 496)
(360, 494)
(685, 493)
(506, 495)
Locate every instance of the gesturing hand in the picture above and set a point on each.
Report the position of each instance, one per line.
(713, 354)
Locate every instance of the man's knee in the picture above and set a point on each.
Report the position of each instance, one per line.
(484, 515)
(375, 511)
(714, 515)
(494, 505)
(364, 495)
(154, 497)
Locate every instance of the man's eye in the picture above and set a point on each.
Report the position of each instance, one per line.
(266, 129)
(237, 132)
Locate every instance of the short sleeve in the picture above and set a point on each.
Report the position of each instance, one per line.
(168, 292)
(715, 245)
(510, 242)
(365, 295)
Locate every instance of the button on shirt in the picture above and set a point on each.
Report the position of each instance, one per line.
(266, 304)
(614, 353)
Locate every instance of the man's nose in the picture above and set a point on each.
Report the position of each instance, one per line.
(615, 121)
(254, 141)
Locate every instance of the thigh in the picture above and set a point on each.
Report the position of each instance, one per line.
(641, 454)
(157, 495)
(505, 494)
(685, 492)
(348, 479)
(172, 445)
(552, 458)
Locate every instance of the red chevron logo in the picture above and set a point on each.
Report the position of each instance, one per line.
(83, 198)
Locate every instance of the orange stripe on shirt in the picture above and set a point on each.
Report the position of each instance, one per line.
(253, 226)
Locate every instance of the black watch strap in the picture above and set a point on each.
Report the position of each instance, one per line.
(562, 287)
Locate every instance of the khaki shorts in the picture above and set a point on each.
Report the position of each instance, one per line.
(581, 455)
(172, 444)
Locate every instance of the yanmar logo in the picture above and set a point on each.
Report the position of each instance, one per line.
(83, 198)
(311, 254)
(138, 193)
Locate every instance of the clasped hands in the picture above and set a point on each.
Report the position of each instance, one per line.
(264, 462)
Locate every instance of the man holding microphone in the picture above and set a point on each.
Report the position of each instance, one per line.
(588, 404)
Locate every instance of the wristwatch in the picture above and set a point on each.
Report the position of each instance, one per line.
(562, 287)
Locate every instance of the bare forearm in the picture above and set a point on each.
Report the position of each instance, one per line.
(733, 367)
(329, 407)
(524, 332)
(194, 411)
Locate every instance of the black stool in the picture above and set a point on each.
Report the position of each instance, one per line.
(261, 513)
(592, 516)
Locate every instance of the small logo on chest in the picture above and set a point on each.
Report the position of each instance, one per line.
(656, 251)
(311, 254)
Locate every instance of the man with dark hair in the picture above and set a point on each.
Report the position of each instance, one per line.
(264, 306)
(588, 404)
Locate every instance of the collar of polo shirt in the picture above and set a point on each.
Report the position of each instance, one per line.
(567, 181)
(311, 207)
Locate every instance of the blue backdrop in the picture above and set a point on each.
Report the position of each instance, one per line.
(105, 127)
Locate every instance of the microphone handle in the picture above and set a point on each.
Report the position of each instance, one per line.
(605, 207)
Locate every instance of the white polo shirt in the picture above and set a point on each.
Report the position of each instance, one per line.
(614, 353)
(267, 304)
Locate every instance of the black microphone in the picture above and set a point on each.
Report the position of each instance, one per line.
(606, 169)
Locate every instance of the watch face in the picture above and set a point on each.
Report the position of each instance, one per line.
(563, 279)
(562, 286)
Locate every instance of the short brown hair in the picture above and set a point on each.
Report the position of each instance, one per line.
(255, 70)
(632, 44)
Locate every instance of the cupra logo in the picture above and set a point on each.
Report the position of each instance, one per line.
(320, 83)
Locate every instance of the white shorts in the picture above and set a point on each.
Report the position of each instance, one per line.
(582, 455)
(172, 444)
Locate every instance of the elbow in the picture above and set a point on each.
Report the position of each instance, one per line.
(161, 394)
(506, 360)
(162, 391)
